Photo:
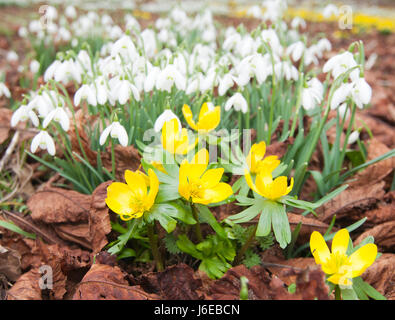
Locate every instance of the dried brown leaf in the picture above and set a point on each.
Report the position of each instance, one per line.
(384, 235)
(27, 287)
(10, 263)
(56, 205)
(103, 282)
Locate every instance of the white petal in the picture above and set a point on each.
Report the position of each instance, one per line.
(104, 135)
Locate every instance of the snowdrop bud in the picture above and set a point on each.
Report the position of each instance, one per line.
(353, 137)
(344, 112)
(4, 90)
(167, 115)
(44, 141)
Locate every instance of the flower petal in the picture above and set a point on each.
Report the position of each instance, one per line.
(187, 112)
(118, 198)
(319, 248)
(340, 242)
(363, 258)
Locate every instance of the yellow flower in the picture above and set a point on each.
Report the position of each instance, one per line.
(175, 140)
(131, 200)
(269, 188)
(209, 117)
(158, 165)
(198, 185)
(256, 161)
(337, 264)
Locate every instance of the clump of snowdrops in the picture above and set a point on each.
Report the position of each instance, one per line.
(188, 93)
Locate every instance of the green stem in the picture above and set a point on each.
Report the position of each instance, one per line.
(198, 231)
(338, 295)
(154, 247)
(245, 246)
(113, 157)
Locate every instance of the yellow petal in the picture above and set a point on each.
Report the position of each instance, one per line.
(256, 154)
(219, 193)
(118, 198)
(136, 183)
(250, 183)
(340, 242)
(187, 112)
(277, 188)
(154, 187)
(362, 259)
(212, 177)
(319, 248)
(340, 279)
(209, 120)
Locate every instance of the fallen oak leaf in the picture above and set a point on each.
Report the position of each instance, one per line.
(26, 287)
(384, 235)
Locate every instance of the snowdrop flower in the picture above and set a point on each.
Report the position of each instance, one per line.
(44, 102)
(225, 83)
(59, 115)
(167, 115)
(330, 10)
(125, 48)
(49, 73)
(149, 41)
(85, 92)
(168, 77)
(323, 45)
(353, 137)
(70, 12)
(150, 79)
(361, 92)
(313, 94)
(340, 95)
(340, 64)
(102, 92)
(271, 38)
(121, 90)
(67, 71)
(255, 11)
(44, 141)
(238, 102)
(24, 113)
(116, 131)
(12, 56)
(298, 22)
(231, 41)
(344, 111)
(22, 32)
(296, 50)
(34, 66)
(287, 70)
(51, 13)
(4, 90)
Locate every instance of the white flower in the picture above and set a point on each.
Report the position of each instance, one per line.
(296, 50)
(340, 64)
(125, 48)
(24, 113)
(49, 73)
(313, 94)
(85, 92)
(353, 137)
(4, 90)
(12, 56)
(150, 79)
(121, 90)
(225, 83)
(361, 92)
(287, 70)
(344, 111)
(167, 115)
(255, 11)
(330, 10)
(44, 102)
(101, 90)
(238, 102)
(168, 77)
(70, 12)
(68, 71)
(34, 66)
(298, 22)
(44, 141)
(340, 95)
(22, 32)
(116, 131)
(59, 115)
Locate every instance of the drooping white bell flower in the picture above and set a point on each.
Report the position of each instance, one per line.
(70, 12)
(340, 95)
(116, 131)
(44, 102)
(361, 92)
(85, 92)
(313, 94)
(49, 73)
(34, 66)
(24, 113)
(353, 137)
(44, 141)
(287, 70)
(12, 56)
(168, 77)
(124, 47)
(167, 115)
(255, 12)
(121, 90)
(59, 115)
(238, 102)
(67, 71)
(340, 64)
(296, 50)
(102, 92)
(225, 83)
(150, 79)
(298, 22)
(4, 90)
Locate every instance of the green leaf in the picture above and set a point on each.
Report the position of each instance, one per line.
(280, 223)
(205, 215)
(126, 253)
(124, 238)
(249, 213)
(170, 242)
(265, 223)
(12, 227)
(349, 294)
(167, 192)
(367, 289)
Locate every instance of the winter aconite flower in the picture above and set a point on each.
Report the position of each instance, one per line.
(340, 267)
(175, 139)
(209, 117)
(256, 161)
(267, 187)
(131, 200)
(199, 185)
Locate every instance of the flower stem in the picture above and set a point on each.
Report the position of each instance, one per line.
(113, 157)
(245, 246)
(338, 295)
(154, 247)
(197, 225)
